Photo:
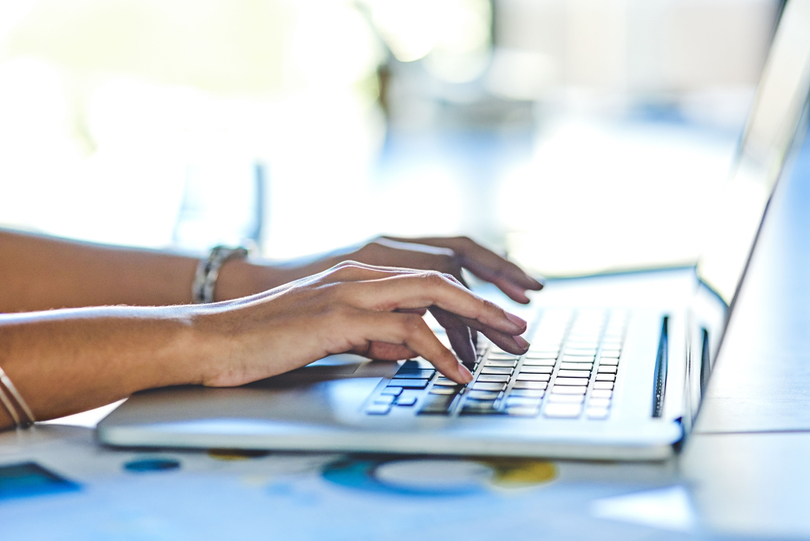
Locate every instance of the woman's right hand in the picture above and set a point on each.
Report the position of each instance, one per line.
(351, 308)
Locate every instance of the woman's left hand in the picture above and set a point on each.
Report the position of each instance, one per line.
(444, 254)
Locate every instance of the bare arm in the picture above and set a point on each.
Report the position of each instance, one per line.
(40, 273)
(65, 361)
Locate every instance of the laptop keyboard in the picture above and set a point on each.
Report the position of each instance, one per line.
(569, 372)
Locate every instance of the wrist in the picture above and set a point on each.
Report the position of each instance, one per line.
(241, 278)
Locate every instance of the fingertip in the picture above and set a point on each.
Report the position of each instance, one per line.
(519, 323)
(465, 376)
(521, 342)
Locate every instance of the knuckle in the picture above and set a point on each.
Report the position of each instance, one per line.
(341, 268)
(448, 276)
(411, 324)
(434, 279)
(345, 269)
(373, 249)
(490, 307)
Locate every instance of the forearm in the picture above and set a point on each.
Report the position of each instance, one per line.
(67, 361)
(40, 273)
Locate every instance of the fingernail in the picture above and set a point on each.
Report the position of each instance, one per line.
(517, 321)
(464, 374)
(521, 342)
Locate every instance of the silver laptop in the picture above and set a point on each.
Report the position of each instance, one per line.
(616, 370)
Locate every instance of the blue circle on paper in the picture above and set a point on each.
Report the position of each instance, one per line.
(144, 465)
(362, 473)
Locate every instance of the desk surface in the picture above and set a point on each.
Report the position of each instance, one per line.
(743, 473)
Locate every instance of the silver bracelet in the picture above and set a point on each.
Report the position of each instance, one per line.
(205, 280)
(5, 381)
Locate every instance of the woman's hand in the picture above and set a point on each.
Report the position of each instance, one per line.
(446, 255)
(66, 361)
(355, 308)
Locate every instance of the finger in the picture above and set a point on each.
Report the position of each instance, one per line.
(473, 332)
(382, 351)
(512, 343)
(425, 290)
(415, 256)
(516, 345)
(486, 265)
(410, 331)
(459, 335)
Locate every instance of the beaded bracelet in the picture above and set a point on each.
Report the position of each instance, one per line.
(205, 280)
(8, 402)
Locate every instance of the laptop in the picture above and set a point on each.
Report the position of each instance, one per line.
(616, 369)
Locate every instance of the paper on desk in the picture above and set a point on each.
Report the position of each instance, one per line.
(298, 496)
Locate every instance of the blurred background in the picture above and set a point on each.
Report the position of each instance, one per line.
(576, 135)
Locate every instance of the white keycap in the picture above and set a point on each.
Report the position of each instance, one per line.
(563, 410)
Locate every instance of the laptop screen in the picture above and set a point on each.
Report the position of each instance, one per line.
(771, 128)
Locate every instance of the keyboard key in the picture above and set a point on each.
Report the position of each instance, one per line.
(599, 402)
(488, 378)
(488, 386)
(607, 369)
(416, 374)
(498, 356)
(410, 383)
(597, 413)
(444, 390)
(523, 411)
(406, 401)
(611, 353)
(504, 364)
(533, 377)
(575, 366)
(444, 382)
(603, 385)
(416, 364)
(436, 404)
(608, 362)
(527, 402)
(580, 352)
(601, 393)
(570, 381)
(378, 409)
(578, 358)
(527, 393)
(483, 395)
(386, 399)
(538, 362)
(536, 369)
(393, 391)
(536, 385)
(563, 410)
(574, 373)
(582, 343)
(550, 354)
(479, 408)
(564, 389)
(566, 398)
(496, 370)
(605, 377)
